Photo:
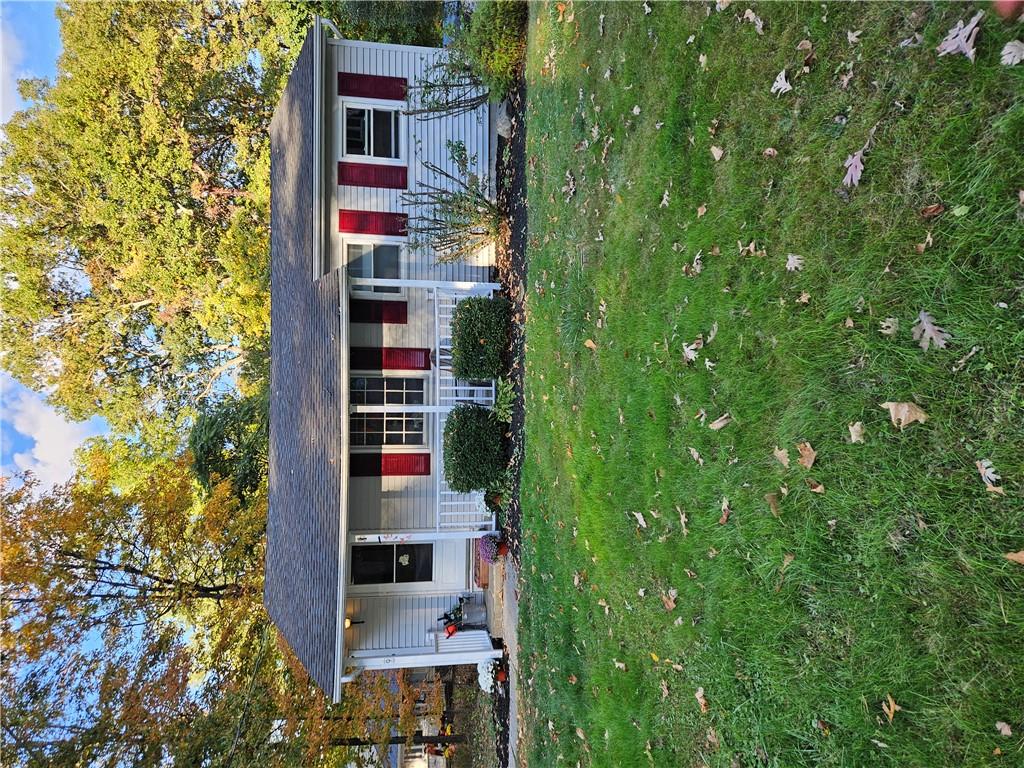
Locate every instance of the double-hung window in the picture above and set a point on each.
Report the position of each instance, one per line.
(372, 131)
(380, 260)
(377, 430)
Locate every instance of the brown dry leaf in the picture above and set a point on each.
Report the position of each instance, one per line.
(960, 39)
(572, 679)
(1004, 728)
(589, 344)
(580, 734)
(720, 422)
(904, 414)
(668, 601)
(807, 455)
(933, 210)
(889, 327)
(773, 503)
(726, 511)
(664, 690)
(856, 432)
(1015, 557)
(922, 247)
(782, 456)
(699, 695)
(696, 456)
(848, 323)
(926, 332)
(769, 153)
(989, 476)
(804, 298)
(890, 707)
(701, 210)
(619, 664)
(717, 152)
(640, 519)
(814, 485)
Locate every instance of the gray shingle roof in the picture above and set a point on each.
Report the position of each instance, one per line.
(303, 525)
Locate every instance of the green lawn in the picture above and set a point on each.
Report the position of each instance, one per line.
(897, 582)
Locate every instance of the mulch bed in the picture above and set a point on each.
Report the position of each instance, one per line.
(500, 711)
(511, 185)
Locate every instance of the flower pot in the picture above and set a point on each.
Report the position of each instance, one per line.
(502, 676)
(503, 548)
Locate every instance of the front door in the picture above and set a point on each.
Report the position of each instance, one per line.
(413, 567)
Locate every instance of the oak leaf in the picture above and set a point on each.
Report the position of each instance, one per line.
(726, 511)
(933, 210)
(782, 455)
(668, 601)
(854, 165)
(856, 431)
(960, 39)
(753, 18)
(814, 485)
(794, 263)
(773, 503)
(889, 326)
(717, 152)
(904, 414)
(1004, 728)
(926, 332)
(1013, 53)
(989, 476)
(807, 454)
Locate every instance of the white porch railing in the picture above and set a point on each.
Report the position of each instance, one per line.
(455, 512)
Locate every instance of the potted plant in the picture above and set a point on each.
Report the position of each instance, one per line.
(492, 549)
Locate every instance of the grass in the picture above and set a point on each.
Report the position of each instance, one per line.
(897, 583)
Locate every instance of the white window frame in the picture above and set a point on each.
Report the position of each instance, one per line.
(403, 265)
(403, 130)
(394, 374)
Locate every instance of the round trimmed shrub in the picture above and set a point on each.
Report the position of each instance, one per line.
(495, 43)
(480, 330)
(474, 450)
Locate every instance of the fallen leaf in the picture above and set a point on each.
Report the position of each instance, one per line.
(926, 332)
(773, 503)
(856, 432)
(803, 298)
(664, 200)
(960, 38)
(720, 422)
(654, 657)
(640, 519)
(848, 322)
(699, 695)
(696, 456)
(1004, 728)
(922, 247)
(668, 601)
(933, 210)
(769, 152)
(572, 679)
(904, 414)
(717, 152)
(794, 263)
(814, 485)
(647, 8)
(804, 45)
(703, 61)
(689, 574)
(636, 109)
(664, 690)
(989, 476)
(853, 37)
(889, 326)
(712, 738)
(782, 455)
(1013, 53)
(702, 210)
(754, 19)
(890, 707)
(726, 511)
(854, 165)
(1015, 557)
(589, 344)
(619, 664)
(781, 84)
(807, 454)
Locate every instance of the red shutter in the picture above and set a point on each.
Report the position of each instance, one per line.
(372, 175)
(388, 464)
(372, 222)
(373, 311)
(389, 358)
(371, 86)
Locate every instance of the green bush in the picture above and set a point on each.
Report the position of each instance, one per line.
(474, 451)
(494, 42)
(480, 329)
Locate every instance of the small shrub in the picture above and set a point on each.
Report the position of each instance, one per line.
(480, 330)
(474, 451)
(495, 43)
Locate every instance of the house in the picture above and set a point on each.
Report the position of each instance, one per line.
(366, 545)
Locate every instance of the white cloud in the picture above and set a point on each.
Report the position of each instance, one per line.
(54, 439)
(10, 71)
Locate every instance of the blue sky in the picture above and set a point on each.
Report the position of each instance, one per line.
(32, 435)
